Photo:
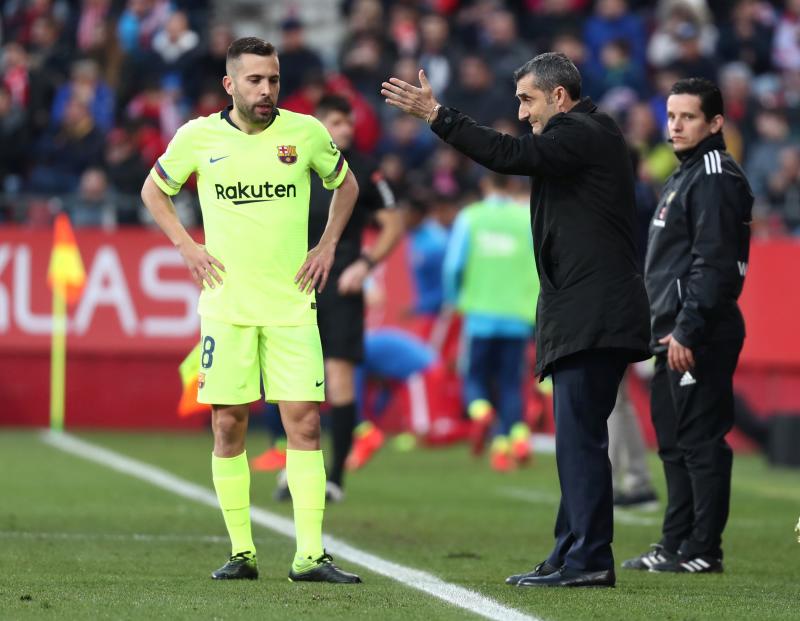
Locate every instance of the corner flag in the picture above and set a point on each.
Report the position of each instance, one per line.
(66, 267)
(66, 277)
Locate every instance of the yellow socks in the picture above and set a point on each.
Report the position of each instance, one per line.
(232, 482)
(305, 474)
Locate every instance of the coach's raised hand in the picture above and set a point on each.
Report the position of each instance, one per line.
(418, 101)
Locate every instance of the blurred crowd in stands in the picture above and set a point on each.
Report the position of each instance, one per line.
(91, 91)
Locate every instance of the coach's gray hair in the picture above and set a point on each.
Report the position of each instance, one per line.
(550, 70)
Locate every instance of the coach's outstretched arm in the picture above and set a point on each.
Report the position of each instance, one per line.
(202, 266)
(314, 272)
(560, 152)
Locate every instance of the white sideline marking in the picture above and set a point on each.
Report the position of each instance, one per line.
(140, 537)
(414, 578)
(623, 516)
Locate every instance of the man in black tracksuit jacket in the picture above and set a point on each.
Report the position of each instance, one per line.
(592, 312)
(697, 258)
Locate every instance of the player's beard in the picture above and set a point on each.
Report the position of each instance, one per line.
(249, 113)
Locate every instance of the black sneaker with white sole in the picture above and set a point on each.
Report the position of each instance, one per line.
(333, 492)
(282, 493)
(241, 566)
(323, 570)
(657, 554)
(690, 565)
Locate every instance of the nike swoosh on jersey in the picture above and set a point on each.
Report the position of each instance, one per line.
(212, 160)
(318, 384)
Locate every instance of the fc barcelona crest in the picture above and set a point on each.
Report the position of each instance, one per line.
(287, 153)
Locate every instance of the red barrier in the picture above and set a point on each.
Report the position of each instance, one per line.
(771, 306)
(138, 295)
(133, 325)
(768, 376)
(137, 320)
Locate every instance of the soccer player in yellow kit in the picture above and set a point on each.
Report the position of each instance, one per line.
(257, 308)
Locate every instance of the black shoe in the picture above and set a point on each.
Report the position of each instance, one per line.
(324, 571)
(690, 565)
(646, 500)
(542, 569)
(566, 577)
(333, 492)
(241, 566)
(282, 493)
(657, 554)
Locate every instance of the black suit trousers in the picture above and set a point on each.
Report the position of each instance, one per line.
(584, 393)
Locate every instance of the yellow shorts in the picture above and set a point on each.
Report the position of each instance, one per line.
(234, 359)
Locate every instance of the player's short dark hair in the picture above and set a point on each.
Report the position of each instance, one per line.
(708, 92)
(550, 70)
(249, 45)
(333, 103)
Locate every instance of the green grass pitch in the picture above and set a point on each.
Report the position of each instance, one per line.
(80, 541)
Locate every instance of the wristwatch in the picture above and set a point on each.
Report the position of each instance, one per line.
(367, 259)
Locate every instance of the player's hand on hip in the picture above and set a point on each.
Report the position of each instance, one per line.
(679, 357)
(352, 278)
(202, 266)
(313, 274)
(418, 101)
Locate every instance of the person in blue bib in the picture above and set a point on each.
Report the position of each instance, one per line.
(493, 237)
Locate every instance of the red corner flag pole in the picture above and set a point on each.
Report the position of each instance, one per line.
(66, 278)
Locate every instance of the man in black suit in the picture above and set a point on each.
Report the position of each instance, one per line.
(592, 313)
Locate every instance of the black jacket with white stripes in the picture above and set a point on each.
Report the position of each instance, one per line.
(698, 248)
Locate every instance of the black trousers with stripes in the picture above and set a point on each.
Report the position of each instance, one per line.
(692, 412)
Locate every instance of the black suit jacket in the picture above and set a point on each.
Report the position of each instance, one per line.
(582, 213)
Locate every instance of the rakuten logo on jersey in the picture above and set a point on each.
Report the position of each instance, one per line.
(243, 193)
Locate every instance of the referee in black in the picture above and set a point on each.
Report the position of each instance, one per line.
(340, 305)
(592, 313)
(697, 256)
